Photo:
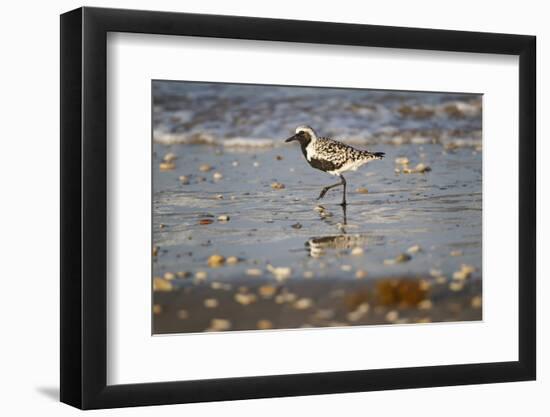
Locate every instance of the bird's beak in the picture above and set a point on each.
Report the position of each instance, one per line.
(290, 139)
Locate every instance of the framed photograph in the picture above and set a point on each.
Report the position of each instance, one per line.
(259, 208)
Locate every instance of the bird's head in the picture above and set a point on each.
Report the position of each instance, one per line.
(304, 134)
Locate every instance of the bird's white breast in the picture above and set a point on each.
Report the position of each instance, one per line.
(310, 150)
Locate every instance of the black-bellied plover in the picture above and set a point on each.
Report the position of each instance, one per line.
(331, 156)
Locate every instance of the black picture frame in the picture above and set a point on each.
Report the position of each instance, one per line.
(84, 207)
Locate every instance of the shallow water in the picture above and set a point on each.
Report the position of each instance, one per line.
(239, 131)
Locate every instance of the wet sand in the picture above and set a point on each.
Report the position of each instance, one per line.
(252, 305)
(235, 212)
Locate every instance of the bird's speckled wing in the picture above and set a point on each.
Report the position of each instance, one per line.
(338, 154)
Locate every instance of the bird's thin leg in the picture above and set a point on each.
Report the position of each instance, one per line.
(344, 197)
(328, 187)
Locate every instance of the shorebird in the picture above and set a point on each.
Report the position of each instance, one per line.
(331, 156)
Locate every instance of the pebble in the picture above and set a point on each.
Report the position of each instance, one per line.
(402, 160)
(218, 325)
(256, 164)
(167, 166)
(254, 272)
(360, 274)
(201, 276)
(277, 185)
(476, 301)
(205, 168)
(245, 299)
(220, 286)
(436, 272)
(346, 268)
(362, 190)
(419, 169)
(425, 305)
(414, 249)
(215, 261)
(285, 297)
(267, 291)
(184, 179)
(155, 250)
(296, 226)
(264, 324)
(157, 309)
(219, 197)
(281, 273)
(170, 157)
(308, 274)
(211, 303)
(206, 221)
(232, 260)
(235, 163)
(223, 218)
(398, 259)
(325, 314)
(161, 285)
(217, 176)
(182, 314)
(441, 279)
(183, 274)
(464, 273)
(456, 285)
(359, 312)
(456, 253)
(169, 276)
(303, 303)
(392, 316)
(319, 209)
(357, 251)
(279, 158)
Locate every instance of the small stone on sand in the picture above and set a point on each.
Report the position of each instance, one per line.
(232, 260)
(392, 316)
(362, 190)
(414, 249)
(205, 168)
(254, 272)
(281, 273)
(167, 166)
(404, 257)
(170, 157)
(218, 325)
(169, 276)
(223, 218)
(201, 276)
(264, 325)
(161, 285)
(245, 299)
(357, 251)
(184, 179)
(182, 314)
(360, 274)
(217, 176)
(267, 291)
(277, 186)
(215, 261)
(211, 303)
(303, 303)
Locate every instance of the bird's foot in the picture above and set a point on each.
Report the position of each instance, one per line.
(323, 192)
